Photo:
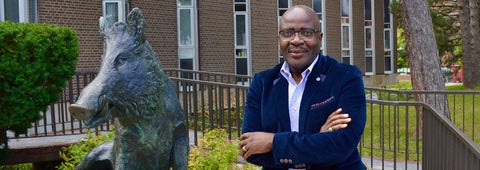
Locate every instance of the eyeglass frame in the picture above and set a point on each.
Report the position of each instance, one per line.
(301, 36)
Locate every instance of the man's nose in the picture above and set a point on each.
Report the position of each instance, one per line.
(297, 38)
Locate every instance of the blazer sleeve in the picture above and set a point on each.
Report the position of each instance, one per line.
(330, 148)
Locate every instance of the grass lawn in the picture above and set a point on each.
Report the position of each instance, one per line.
(392, 129)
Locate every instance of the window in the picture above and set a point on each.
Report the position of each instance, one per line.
(369, 65)
(282, 7)
(187, 35)
(345, 6)
(387, 30)
(114, 10)
(242, 37)
(318, 8)
(18, 10)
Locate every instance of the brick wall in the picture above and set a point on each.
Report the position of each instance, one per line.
(379, 48)
(358, 34)
(83, 18)
(264, 35)
(216, 36)
(332, 32)
(161, 28)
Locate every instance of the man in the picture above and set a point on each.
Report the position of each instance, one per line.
(296, 113)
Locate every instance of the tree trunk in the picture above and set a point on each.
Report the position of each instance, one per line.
(474, 42)
(466, 39)
(469, 20)
(423, 53)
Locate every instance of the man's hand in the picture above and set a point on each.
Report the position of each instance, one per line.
(336, 121)
(255, 143)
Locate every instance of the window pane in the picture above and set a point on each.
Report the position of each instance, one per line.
(241, 53)
(345, 8)
(345, 37)
(32, 11)
(240, 7)
(282, 3)
(111, 11)
(185, 53)
(386, 11)
(185, 27)
(188, 65)
(240, 30)
(317, 6)
(11, 10)
(388, 63)
(387, 39)
(368, 64)
(184, 2)
(241, 66)
(346, 60)
(239, 0)
(368, 10)
(368, 38)
(281, 12)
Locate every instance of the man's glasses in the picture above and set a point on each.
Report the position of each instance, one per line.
(305, 34)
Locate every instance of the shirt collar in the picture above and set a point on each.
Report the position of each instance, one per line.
(285, 70)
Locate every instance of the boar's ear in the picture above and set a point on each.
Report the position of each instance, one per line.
(136, 24)
(105, 25)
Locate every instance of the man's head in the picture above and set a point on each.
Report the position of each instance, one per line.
(299, 37)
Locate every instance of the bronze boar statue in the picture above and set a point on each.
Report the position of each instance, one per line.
(132, 89)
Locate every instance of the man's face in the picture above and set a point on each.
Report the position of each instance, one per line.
(299, 52)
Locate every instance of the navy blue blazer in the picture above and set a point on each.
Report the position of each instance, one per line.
(330, 85)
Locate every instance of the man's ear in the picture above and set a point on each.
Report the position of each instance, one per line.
(320, 35)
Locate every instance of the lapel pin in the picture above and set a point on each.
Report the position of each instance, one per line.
(318, 79)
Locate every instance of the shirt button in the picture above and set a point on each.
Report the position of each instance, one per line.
(295, 108)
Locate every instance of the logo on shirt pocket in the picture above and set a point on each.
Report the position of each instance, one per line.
(323, 103)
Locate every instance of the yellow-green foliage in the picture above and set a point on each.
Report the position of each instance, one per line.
(215, 151)
(75, 153)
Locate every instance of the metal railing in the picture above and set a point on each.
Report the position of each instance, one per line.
(400, 133)
(462, 105)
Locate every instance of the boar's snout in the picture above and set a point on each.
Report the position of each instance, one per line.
(80, 112)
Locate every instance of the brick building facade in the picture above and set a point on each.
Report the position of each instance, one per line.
(233, 36)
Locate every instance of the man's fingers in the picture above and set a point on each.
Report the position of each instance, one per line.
(339, 110)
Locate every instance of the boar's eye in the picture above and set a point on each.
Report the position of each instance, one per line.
(121, 59)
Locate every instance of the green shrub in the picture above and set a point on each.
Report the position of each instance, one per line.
(26, 166)
(215, 151)
(36, 60)
(73, 154)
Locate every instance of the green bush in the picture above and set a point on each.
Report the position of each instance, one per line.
(214, 151)
(73, 154)
(36, 60)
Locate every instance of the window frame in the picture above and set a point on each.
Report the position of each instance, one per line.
(370, 26)
(280, 56)
(193, 31)
(346, 50)
(247, 46)
(388, 52)
(121, 9)
(23, 11)
(322, 24)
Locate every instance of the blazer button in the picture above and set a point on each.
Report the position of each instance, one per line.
(290, 161)
(282, 161)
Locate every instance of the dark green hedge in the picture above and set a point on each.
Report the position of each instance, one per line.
(36, 60)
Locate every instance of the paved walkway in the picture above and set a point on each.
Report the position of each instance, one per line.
(26, 143)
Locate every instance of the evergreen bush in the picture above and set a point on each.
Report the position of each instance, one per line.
(36, 60)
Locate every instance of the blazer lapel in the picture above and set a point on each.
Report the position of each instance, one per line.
(280, 95)
(313, 88)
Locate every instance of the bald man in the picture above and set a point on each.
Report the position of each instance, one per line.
(307, 112)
